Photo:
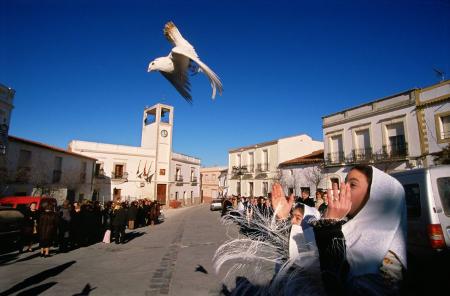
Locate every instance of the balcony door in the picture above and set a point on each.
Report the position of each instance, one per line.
(337, 149)
(118, 170)
(363, 149)
(396, 144)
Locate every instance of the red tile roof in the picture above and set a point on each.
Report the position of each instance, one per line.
(45, 146)
(313, 157)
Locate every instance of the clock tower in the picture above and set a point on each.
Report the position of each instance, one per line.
(157, 127)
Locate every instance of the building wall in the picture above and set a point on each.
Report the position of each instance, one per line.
(278, 151)
(375, 117)
(213, 184)
(134, 159)
(292, 147)
(270, 172)
(41, 167)
(188, 190)
(434, 103)
(296, 177)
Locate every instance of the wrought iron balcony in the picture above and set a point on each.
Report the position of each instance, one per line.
(394, 151)
(262, 167)
(362, 155)
(178, 180)
(119, 175)
(335, 158)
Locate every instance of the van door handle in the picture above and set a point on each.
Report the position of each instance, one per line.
(438, 211)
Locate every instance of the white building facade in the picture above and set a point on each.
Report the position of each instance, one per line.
(213, 182)
(35, 168)
(433, 109)
(393, 133)
(150, 171)
(253, 169)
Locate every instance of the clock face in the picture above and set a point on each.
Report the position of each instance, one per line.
(164, 133)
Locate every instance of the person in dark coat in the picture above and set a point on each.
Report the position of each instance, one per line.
(306, 200)
(119, 223)
(140, 217)
(89, 224)
(47, 228)
(107, 216)
(64, 225)
(132, 215)
(29, 229)
(76, 227)
(147, 212)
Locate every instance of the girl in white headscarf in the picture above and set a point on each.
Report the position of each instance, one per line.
(361, 237)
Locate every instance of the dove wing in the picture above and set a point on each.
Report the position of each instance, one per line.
(179, 78)
(174, 36)
(213, 78)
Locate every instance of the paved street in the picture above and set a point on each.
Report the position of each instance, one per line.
(158, 260)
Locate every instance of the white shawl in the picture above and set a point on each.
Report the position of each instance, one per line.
(379, 227)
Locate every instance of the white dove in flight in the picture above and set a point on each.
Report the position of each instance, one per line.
(180, 60)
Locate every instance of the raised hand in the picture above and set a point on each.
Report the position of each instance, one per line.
(339, 203)
(280, 203)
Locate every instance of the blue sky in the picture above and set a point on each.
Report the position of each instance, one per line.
(79, 67)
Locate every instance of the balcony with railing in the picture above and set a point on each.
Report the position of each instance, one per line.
(119, 175)
(361, 155)
(238, 171)
(262, 167)
(335, 158)
(178, 180)
(393, 152)
(194, 181)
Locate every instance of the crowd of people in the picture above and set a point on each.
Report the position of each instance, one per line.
(79, 224)
(247, 205)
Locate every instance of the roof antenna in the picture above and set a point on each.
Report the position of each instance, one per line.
(440, 74)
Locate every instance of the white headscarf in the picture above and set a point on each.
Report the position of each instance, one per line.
(301, 237)
(379, 227)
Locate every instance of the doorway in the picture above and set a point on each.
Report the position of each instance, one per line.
(161, 193)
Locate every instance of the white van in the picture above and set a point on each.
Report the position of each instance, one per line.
(427, 193)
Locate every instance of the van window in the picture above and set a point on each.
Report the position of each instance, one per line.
(412, 196)
(443, 185)
(23, 208)
(8, 205)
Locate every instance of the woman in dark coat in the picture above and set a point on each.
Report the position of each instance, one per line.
(29, 229)
(76, 226)
(119, 221)
(47, 228)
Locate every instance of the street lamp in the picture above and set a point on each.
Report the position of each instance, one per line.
(240, 171)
